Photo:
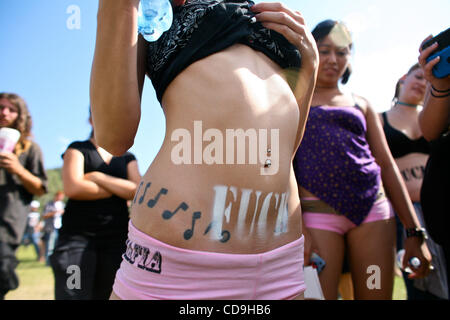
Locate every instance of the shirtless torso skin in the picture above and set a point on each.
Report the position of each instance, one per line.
(228, 208)
(253, 95)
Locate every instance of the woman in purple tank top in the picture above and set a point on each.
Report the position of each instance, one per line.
(341, 167)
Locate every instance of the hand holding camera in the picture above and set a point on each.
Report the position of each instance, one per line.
(438, 48)
(435, 61)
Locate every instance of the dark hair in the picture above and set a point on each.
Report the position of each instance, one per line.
(399, 82)
(321, 31)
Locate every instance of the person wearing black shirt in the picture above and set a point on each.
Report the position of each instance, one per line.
(95, 222)
(410, 151)
(22, 175)
(434, 122)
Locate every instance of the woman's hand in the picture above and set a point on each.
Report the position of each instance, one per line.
(439, 84)
(415, 248)
(93, 176)
(309, 247)
(291, 24)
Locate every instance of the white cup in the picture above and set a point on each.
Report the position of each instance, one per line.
(8, 139)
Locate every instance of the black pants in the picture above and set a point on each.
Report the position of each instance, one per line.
(85, 268)
(8, 263)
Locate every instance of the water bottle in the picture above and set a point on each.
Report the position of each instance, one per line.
(154, 18)
(414, 261)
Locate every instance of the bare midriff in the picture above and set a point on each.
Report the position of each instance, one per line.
(225, 208)
(412, 169)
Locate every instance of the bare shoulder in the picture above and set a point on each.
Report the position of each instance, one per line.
(365, 106)
(362, 102)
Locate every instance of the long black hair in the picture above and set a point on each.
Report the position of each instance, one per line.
(321, 31)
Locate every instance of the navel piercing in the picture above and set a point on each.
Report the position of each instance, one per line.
(268, 163)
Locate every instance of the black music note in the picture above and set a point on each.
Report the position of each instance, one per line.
(137, 191)
(190, 232)
(141, 199)
(225, 234)
(168, 214)
(152, 202)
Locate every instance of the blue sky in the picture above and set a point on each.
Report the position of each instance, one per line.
(49, 64)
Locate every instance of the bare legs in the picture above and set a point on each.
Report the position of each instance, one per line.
(371, 252)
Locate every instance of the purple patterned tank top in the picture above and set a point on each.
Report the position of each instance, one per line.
(334, 161)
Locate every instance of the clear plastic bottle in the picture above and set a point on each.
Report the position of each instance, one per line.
(414, 261)
(155, 17)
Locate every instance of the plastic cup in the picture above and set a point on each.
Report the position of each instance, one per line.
(8, 139)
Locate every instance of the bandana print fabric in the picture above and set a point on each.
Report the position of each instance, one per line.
(203, 27)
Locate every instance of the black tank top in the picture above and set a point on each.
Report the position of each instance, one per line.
(98, 218)
(203, 27)
(400, 144)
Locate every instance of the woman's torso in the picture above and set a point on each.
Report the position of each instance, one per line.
(408, 147)
(237, 88)
(334, 162)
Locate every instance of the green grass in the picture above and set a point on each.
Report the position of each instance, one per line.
(36, 279)
(399, 289)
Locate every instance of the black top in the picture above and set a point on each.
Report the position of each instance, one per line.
(15, 199)
(203, 27)
(97, 218)
(400, 144)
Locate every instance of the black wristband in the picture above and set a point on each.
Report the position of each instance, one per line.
(417, 232)
(443, 96)
(440, 91)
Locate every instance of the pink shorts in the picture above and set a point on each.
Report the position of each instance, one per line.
(381, 210)
(151, 270)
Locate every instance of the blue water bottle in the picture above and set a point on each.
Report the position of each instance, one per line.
(154, 18)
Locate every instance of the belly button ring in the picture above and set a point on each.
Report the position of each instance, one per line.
(268, 163)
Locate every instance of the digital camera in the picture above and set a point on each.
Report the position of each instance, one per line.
(442, 69)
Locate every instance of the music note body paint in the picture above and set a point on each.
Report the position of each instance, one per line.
(190, 232)
(167, 214)
(152, 202)
(224, 205)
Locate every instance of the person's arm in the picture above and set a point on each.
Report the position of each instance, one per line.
(31, 183)
(75, 185)
(396, 190)
(291, 25)
(433, 119)
(117, 76)
(51, 214)
(123, 188)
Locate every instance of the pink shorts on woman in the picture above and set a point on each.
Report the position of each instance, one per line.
(153, 270)
(381, 210)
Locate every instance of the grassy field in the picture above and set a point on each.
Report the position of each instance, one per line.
(36, 279)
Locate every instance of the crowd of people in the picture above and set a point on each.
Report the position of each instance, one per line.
(352, 187)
